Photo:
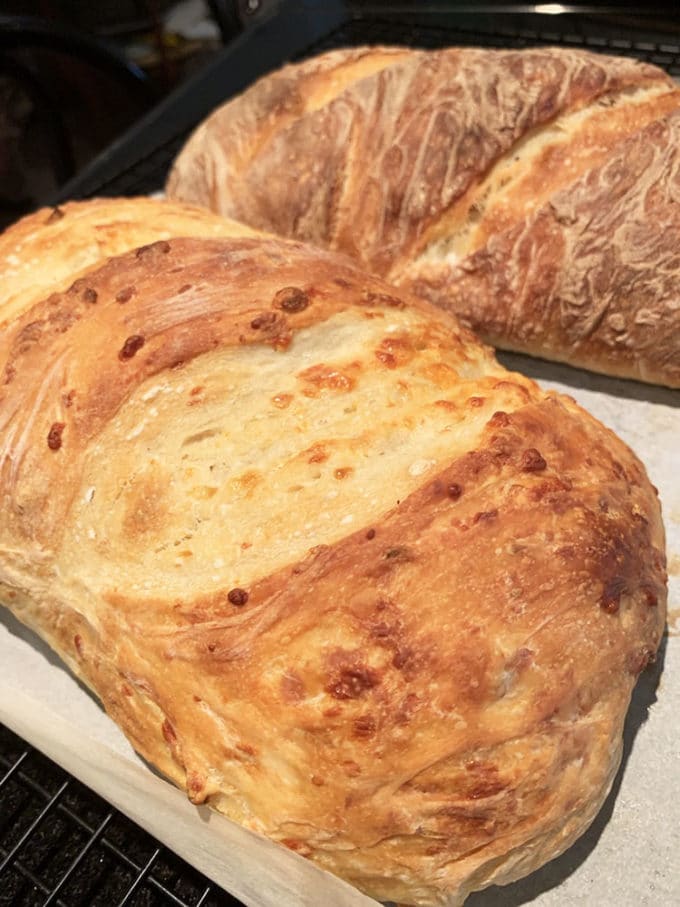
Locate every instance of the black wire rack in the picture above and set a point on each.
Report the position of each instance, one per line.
(61, 844)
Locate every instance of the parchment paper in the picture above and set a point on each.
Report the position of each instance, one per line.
(629, 857)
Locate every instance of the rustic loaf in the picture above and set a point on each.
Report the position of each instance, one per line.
(329, 566)
(50, 249)
(534, 193)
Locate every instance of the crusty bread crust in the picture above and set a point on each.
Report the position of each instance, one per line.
(532, 192)
(330, 567)
(50, 249)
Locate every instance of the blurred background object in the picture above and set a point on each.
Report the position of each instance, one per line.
(74, 75)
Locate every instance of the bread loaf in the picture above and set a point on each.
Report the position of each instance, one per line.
(534, 193)
(330, 567)
(50, 249)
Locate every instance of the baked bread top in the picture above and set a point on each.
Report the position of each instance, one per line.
(329, 566)
(50, 249)
(533, 193)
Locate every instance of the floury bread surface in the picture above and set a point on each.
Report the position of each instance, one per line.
(48, 250)
(330, 567)
(533, 193)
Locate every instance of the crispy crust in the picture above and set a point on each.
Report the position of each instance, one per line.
(425, 699)
(437, 165)
(46, 251)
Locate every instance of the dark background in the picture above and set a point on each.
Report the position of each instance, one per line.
(74, 75)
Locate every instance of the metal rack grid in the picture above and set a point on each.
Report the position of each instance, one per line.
(61, 844)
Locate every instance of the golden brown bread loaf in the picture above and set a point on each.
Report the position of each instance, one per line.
(50, 249)
(534, 193)
(329, 566)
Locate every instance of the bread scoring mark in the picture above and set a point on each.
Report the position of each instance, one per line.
(544, 160)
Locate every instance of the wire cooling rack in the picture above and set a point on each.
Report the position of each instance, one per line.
(61, 844)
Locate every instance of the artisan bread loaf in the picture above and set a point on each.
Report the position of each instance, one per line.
(50, 249)
(534, 193)
(330, 567)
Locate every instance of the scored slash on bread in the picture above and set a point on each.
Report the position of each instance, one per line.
(533, 193)
(331, 568)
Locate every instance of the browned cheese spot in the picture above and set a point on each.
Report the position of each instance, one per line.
(282, 401)
(364, 727)
(394, 352)
(372, 298)
(651, 598)
(54, 435)
(291, 299)
(266, 320)
(499, 420)
(89, 295)
(532, 461)
(352, 683)
(131, 346)
(610, 601)
(238, 597)
(325, 377)
(125, 295)
(298, 846)
(317, 453)
(484, 516)
(169, 732)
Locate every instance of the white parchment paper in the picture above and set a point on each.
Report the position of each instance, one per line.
(629, 857)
